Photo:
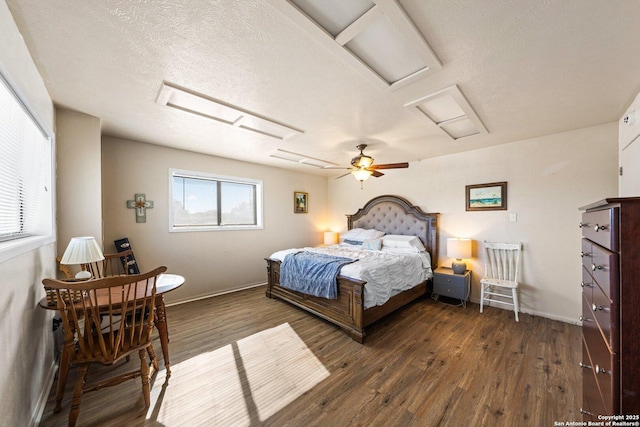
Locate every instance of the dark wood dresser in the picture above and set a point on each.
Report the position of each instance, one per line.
(611, 307)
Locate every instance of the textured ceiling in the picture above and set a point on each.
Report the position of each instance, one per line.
(528, 68)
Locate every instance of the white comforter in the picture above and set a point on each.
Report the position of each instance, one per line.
(387, 272)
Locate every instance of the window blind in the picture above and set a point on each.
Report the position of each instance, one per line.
(25, 168)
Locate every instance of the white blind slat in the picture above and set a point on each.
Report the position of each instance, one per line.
(25, 159)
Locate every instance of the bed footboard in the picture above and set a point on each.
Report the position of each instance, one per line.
(347, 311)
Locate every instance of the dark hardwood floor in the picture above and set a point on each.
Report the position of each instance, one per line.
(244, 359)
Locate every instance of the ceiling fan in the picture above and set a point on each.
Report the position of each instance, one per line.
(362, 166)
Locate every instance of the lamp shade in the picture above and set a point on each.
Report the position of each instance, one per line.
(458, 248)
(82, 250)
(330, 237)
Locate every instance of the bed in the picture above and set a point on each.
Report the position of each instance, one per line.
(392, 215)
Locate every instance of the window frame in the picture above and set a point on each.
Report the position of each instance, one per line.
(258, 188)
(21, 245)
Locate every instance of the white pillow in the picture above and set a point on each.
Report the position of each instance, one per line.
(360, 234)
(395, 241)
(371, 234)
(351, 234)
(372, 244)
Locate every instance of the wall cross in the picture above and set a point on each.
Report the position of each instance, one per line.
(140, 204)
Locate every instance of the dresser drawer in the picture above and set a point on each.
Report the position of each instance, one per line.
(601, 227)
(591, 331)
(587, 284)
(586, 253)
(603, 362)
(604, 312)
(604, 269)
(602, 365)
(592, 401)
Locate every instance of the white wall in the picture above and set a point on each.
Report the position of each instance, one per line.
(214, 261)
(549, 178)
(26, 353)
(79, 180)
(629, 150)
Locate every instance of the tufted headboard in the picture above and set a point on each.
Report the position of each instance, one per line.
(395, 215)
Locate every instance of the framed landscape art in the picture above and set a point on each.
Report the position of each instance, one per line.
(486, 197)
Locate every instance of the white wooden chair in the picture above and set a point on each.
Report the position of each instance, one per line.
(500, 281)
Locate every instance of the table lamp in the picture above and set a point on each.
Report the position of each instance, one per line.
(330, 238)
(459, 249)
(82, 250)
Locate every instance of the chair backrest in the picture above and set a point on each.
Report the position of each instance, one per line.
(112, 265)
(502, 260)
(106, 319)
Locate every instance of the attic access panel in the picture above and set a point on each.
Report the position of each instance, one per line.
(375, 36)
(189, 101)
(334, 15)
(450, 111)
(302, 159)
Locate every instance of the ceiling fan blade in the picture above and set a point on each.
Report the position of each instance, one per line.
(337, 167)
(338, 177)
(390, 166)
(376, 174)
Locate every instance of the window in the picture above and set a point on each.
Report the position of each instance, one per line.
(26, 193)
(201, 201)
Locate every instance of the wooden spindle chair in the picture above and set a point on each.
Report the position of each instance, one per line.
(500, 281)
(105, 320)
(111, 265)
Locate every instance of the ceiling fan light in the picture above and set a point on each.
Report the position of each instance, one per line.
(362, 161)
(365, 161)
(361, 174)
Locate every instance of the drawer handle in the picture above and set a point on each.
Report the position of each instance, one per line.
(583, 254)
(600, 370)
(596, 267)
(583, 412)
(585, 285)
(597, 228)
(584, 319)
(582, 224)
(596, 307)
(582, 365)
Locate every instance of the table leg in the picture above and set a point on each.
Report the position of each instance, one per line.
(163, 332)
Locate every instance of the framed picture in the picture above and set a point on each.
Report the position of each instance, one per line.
(487, 197)
(300, 202)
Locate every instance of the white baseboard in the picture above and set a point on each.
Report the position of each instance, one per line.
(201, 297)
(44, 395)
(570, 320)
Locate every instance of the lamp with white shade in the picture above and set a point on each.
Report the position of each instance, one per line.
(459, 249)
(82, 250)
(330, 238)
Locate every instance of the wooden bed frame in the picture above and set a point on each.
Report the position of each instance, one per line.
(391, 214)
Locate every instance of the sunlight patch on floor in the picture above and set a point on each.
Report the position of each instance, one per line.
(239, 384)
(280, 367)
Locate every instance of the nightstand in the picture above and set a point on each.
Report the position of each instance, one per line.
(450, 285)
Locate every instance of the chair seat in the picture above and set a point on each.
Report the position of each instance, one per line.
(498, 282)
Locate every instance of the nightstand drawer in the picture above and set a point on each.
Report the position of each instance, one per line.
(452, 291)
(445, 283)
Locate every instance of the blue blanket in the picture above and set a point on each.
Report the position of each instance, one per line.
(312, 273)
